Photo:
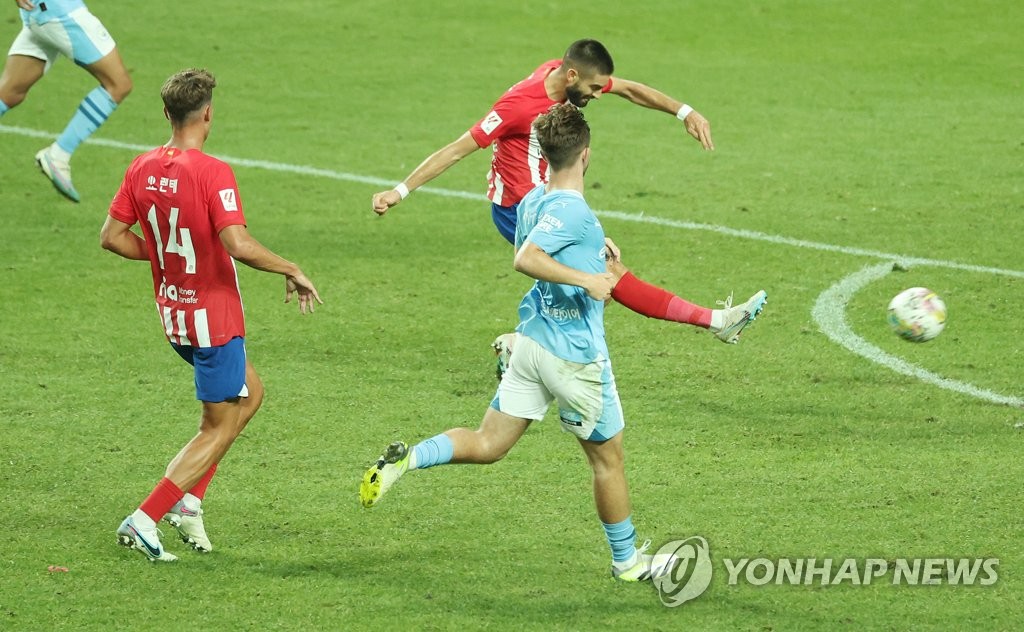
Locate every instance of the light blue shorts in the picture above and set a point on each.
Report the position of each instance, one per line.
(79, 35)
(588, 401)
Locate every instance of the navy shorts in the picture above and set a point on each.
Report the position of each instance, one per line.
(505, 221)
(220, 371)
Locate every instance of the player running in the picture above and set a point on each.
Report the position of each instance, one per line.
(561, 354)
(64, 27)
(190, 215)
(584, 73)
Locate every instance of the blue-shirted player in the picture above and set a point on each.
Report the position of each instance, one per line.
(51, 28)
(561, 355)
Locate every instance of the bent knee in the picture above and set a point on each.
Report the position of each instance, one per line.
(12, 98)
(119, 89)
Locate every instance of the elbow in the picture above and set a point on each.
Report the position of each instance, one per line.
(106, 242)
(519, 264)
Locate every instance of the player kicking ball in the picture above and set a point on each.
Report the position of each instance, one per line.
(561, 354)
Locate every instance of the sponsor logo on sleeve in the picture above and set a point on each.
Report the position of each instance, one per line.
(490, 123)
(228, 199)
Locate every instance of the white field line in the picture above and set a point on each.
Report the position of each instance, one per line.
(830, 314)
(829, 309)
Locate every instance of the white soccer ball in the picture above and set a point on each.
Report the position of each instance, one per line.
(917, 314)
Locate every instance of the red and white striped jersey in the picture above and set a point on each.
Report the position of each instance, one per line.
(517, 165)
(182, 200)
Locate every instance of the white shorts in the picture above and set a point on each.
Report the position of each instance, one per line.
(79, 35)
(588, 402)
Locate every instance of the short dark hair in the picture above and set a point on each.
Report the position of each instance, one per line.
(186, 92)
(562, 133)
(589, 55)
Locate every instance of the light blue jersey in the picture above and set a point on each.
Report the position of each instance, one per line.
(563, 318)
(47, 10)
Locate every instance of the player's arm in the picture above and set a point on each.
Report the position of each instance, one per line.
(640, 94)
(25, 4)
(532, 261)
(243, 247)
(435, 164)
(117, 237)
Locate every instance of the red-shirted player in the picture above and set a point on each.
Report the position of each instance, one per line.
(190, 215)
(517, 166)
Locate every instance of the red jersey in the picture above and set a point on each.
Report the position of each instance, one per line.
(517, 165)
(182, 200)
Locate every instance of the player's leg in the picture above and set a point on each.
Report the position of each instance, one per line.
(187, 515)
(489, 443)
(655, 302)
(220, 378)
(520, 398)
(611, 494)
(82, 37)
(20, 73)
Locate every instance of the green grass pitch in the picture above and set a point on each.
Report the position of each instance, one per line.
(844, 132)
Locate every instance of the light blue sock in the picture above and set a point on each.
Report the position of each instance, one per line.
(3, 108)
(434, 451)
(94, 109)
(621, 538)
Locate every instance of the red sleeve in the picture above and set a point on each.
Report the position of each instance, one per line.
(504, 119)
(222, 199)
(122, 207)
(608, 86)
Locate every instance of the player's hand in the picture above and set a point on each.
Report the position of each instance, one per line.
(384, 200)
(308, 296)
(698, 127)
(599, 286)
(613, 252)
(25, 4)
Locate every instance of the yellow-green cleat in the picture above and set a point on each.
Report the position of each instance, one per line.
(383, 474)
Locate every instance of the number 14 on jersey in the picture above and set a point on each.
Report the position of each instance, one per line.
(182, 248)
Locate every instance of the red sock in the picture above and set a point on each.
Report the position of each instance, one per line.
(160, 501)
(654, 302)
(199, 489)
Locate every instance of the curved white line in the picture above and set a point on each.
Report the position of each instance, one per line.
(830, 314)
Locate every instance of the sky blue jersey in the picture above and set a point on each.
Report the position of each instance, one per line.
(53, 9)
(563, 318)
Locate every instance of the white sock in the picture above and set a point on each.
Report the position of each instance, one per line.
(59, 154)
(192, 502)
(143, 521)
(717, 320)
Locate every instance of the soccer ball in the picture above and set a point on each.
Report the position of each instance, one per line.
(917, 314)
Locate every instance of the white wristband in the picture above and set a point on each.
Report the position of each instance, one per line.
(683, 112)
(403, 191)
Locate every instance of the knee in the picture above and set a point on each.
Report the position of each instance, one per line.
(120, 90)
(12, 98)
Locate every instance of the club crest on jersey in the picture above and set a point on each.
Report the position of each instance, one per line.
(228, 200)
(490, 122)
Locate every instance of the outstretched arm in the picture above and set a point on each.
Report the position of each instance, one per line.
(696, 125)
(243, 247)
(532, 261)
(117, 237)
(435, 164)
